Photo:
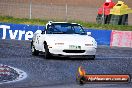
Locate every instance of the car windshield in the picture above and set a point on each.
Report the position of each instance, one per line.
(65, 28)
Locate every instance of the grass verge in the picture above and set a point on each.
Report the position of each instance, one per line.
(84, 24)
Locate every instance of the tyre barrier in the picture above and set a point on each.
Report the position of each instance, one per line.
(103, 37)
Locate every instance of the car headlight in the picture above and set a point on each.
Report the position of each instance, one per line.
(59, 43)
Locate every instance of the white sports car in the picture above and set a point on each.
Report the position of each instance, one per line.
(64, 39)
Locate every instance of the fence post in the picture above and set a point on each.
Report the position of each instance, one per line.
(66, 12)
(30, 10)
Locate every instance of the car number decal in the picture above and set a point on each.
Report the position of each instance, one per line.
(74, 47)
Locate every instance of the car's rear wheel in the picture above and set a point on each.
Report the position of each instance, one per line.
(33, 50)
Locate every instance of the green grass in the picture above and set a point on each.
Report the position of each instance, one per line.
(84, 24)
(22, 20)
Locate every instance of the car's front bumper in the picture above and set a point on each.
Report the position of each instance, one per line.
(67, 52)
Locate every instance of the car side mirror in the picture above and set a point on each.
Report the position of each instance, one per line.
(89, 33)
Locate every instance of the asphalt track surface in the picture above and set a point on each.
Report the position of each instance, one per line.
(60, 72)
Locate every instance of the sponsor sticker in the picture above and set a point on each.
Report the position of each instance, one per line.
(83, 78)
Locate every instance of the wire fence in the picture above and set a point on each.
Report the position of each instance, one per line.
(49, 11)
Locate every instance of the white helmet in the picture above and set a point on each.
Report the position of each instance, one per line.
(49, 23)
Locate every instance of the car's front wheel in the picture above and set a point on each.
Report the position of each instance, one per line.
(88, 57)
(47, 54)
(93, 57)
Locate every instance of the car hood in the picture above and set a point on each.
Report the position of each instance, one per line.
(69, 38)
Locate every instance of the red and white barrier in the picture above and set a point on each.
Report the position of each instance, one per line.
(121, 38)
